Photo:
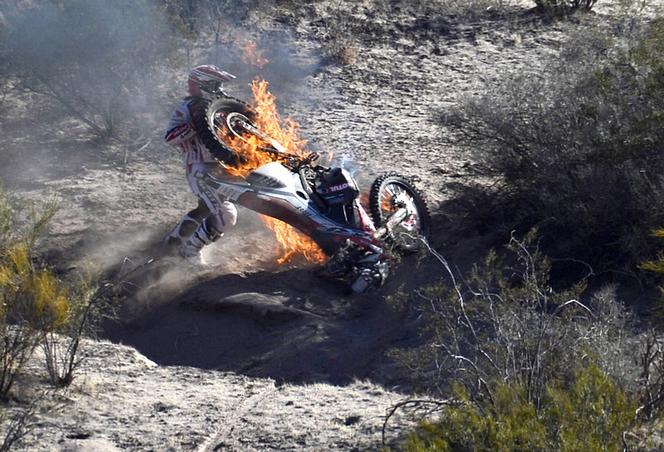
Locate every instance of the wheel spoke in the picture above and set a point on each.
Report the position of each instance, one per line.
(394, 192)
(412, 223)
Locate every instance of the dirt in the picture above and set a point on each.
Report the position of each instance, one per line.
(123, 401)
(248, 355)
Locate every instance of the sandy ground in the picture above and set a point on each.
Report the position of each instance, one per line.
(247, 355)
(123, 401)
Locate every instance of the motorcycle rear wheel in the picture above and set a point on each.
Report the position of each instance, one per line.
(392, 191)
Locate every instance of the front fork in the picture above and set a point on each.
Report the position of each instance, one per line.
(368, 226)
(365, 221)
(394, 219)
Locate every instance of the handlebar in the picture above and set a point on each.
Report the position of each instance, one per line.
(272, 146)
(293, 160)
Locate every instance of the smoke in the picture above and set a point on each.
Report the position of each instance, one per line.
(90, 69)
(99, 62)
(119, 66)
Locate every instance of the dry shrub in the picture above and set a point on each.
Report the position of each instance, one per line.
(21, 422)
(344, 51)
(31, 299)
(473, 8)
(36, 307)
(86, 306)
(651, 378)
(576, 149)
(507, 323)
(529, 366)
(651, 359)
(99, 62)
(565, 6)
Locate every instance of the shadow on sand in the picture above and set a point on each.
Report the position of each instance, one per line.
(287, 325)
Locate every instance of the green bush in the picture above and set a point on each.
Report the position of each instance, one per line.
(36, 307)
(89, 301)
(31, 299)
(589, 413)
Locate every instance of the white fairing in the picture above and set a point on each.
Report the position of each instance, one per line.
(277, 171)
(273, 180)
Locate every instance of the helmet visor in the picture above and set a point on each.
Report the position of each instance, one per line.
(211, 86)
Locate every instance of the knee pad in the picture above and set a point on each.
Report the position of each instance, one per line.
(228, 213)
(225, 217)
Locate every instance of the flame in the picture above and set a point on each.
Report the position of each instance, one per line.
(387, 203)
(291, 243)
(251, 54)
(267, 119)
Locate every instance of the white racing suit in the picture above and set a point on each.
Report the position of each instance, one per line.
(214, 214)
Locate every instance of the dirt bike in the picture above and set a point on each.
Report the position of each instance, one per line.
(321, 202)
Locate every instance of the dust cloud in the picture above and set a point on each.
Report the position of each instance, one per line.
(104, 78)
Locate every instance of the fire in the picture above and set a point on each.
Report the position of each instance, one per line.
(267, 119)
(292, 243)
(252, 54)
(387, 203)
(286, 133)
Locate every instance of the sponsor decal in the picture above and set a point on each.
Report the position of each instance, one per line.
(337, 187)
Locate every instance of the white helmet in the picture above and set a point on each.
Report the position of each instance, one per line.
(206, 79)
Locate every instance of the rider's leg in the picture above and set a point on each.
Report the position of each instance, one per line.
(211, 228)
(187, 225)
(222, 213)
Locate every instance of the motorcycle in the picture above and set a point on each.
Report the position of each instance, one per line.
(321, 202)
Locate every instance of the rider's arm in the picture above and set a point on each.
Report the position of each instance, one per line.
(179, 134)
(179, 128)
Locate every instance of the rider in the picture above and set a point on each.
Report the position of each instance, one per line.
(214, 214)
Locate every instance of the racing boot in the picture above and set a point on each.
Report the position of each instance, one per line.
(205, 234)
(186, 227)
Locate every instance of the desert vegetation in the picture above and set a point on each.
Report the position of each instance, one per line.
(529, 367)
(550, 341)
(528, 360)
(103, 74)
(39, 311)
(576, 149)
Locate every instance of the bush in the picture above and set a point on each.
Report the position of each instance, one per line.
(576, 149)
(31, 299)
(565, 6)
(522, 365)
(588, 413)
(98, 61)
(508, 323)
(88, 304)
(37, 308)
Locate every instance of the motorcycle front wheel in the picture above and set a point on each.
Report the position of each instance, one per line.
(391, 192)
(211, 125)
